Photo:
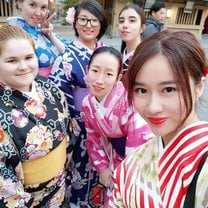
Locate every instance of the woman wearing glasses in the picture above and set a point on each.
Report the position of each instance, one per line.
(69, 73)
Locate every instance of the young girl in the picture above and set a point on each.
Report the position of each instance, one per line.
(114, 129)
(166, 78)
(130, 26)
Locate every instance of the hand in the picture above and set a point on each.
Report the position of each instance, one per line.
(46, 26)
(105, 177)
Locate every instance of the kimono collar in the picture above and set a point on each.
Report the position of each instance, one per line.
(127, 55)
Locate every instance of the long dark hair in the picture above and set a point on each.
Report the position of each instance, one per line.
(184, 54)
(139, 11)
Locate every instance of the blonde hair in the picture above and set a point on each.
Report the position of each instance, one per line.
(8, 32)
(18, 1)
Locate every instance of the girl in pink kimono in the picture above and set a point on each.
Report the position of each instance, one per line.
(114, 129)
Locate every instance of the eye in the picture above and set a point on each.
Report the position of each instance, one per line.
(82, 19)
(140, 90)
(121, 21)
(169, 89)
(44, 8)
(11, 61)
(109, 74)
(94, 70)
(29, 57)
(132, 20)
(32, 5)
(94, 20)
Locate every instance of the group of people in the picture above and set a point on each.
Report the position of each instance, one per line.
(84, 125)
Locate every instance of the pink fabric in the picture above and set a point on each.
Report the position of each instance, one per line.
(45, 71)
(112, 118)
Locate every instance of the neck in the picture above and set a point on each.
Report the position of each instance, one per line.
(169, 137)
(131, 45)
(88, 44)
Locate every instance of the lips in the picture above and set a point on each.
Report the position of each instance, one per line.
(125, 33)
(97, 88)
(157, 120)
(36, 20)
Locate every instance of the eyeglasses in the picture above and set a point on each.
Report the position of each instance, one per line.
(84, 21)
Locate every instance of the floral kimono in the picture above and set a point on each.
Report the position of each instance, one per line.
(69, 73)
(108, 123)
(154, 176)
(33, 141)
(45, 50)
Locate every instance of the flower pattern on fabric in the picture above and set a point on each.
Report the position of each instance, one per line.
(29, 130)
(69, 73)
(36, 108)
(19, 118)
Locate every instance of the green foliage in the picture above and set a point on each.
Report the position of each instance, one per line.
(66, 5)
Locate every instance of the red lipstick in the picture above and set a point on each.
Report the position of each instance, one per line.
(157, 120)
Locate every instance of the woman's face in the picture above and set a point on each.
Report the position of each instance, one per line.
(87, 32)
(159, 100)
(101, 75)
(33, 11)
(129, 27)
(160, 15)
(18, 64)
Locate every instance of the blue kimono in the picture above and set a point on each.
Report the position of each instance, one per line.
(45, 50)
(69, 73)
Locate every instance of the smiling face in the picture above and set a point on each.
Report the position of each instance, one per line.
(129, 26)
(87, 33)
(159, 100)
(102, 74)
(33, 11)
(18, 64)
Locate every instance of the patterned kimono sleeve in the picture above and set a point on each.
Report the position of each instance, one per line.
(12, 192)
(95, 148)
(60, 75)
(138, 131)
(116, 196)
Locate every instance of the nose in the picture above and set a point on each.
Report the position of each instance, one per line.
(38, 11)
(155, 104)
(125, 24)
(22, 65)
(88, 23)
(99, 79)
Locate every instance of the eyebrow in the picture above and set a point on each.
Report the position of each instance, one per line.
(99, 67)
(161, 83)
(128, 17)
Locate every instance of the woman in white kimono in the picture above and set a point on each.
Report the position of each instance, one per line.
(166, 78)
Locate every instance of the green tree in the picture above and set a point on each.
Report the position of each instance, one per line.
(66, 5)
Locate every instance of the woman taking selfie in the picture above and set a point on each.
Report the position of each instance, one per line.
(165, 80)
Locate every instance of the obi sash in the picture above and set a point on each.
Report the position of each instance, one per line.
(45, 168)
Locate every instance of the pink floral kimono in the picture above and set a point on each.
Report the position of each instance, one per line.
(114, 129)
